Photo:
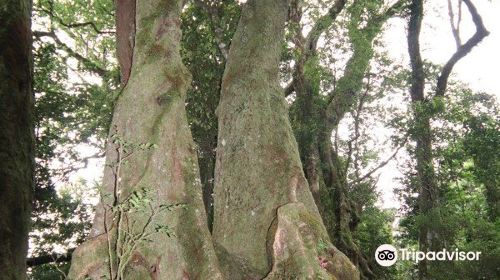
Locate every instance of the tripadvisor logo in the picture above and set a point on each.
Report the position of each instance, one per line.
(387, 255)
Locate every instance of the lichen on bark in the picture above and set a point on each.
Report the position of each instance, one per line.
(258, 170)
(150, 109)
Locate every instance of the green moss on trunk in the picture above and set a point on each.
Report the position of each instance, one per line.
(258, 168)
(151, 110)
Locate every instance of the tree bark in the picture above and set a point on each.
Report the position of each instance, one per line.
(16, 137)
(265, 218)
(427, 187)
(151, 110)
(125, 36)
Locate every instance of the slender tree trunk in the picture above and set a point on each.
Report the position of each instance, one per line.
(345, 97)
(265, 216)
(151, 110)
(423, 111)
(427, 186)
(16, 137)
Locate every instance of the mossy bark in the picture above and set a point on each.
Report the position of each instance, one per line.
(16, 137)
(151, 109)
(259, 177)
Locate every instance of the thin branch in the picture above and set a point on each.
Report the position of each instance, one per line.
(77, 24)
(382, 164)
(463, 50)
(323, 24)
(88, 23)
(455, 30)
(107, 231)
(90, 65)
(356, 115)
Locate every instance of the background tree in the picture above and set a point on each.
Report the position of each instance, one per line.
(424, 108)
(75, 78)
(16, 139)
(321, 102)
(464, 208)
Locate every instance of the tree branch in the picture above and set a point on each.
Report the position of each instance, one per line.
(51, 258)
(347, 87)
(88, 23)
(322, 24)
(78, 24)
(455, 29)
(463, 50)
(356, 117)
(308, 45)
(382, 164)
(90, 65)
(85, 162)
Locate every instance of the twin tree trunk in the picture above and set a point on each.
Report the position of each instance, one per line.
(16, 137)
(266, 224)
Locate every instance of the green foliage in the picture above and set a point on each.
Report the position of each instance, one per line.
(204, 39)
(49, 271)
(74, 79)
(63, 223)
(90, 29)
(375, 229)
(466, 138)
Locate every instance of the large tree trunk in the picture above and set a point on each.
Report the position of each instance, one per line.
(16, 137)
(265, 218)
(151, 110)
